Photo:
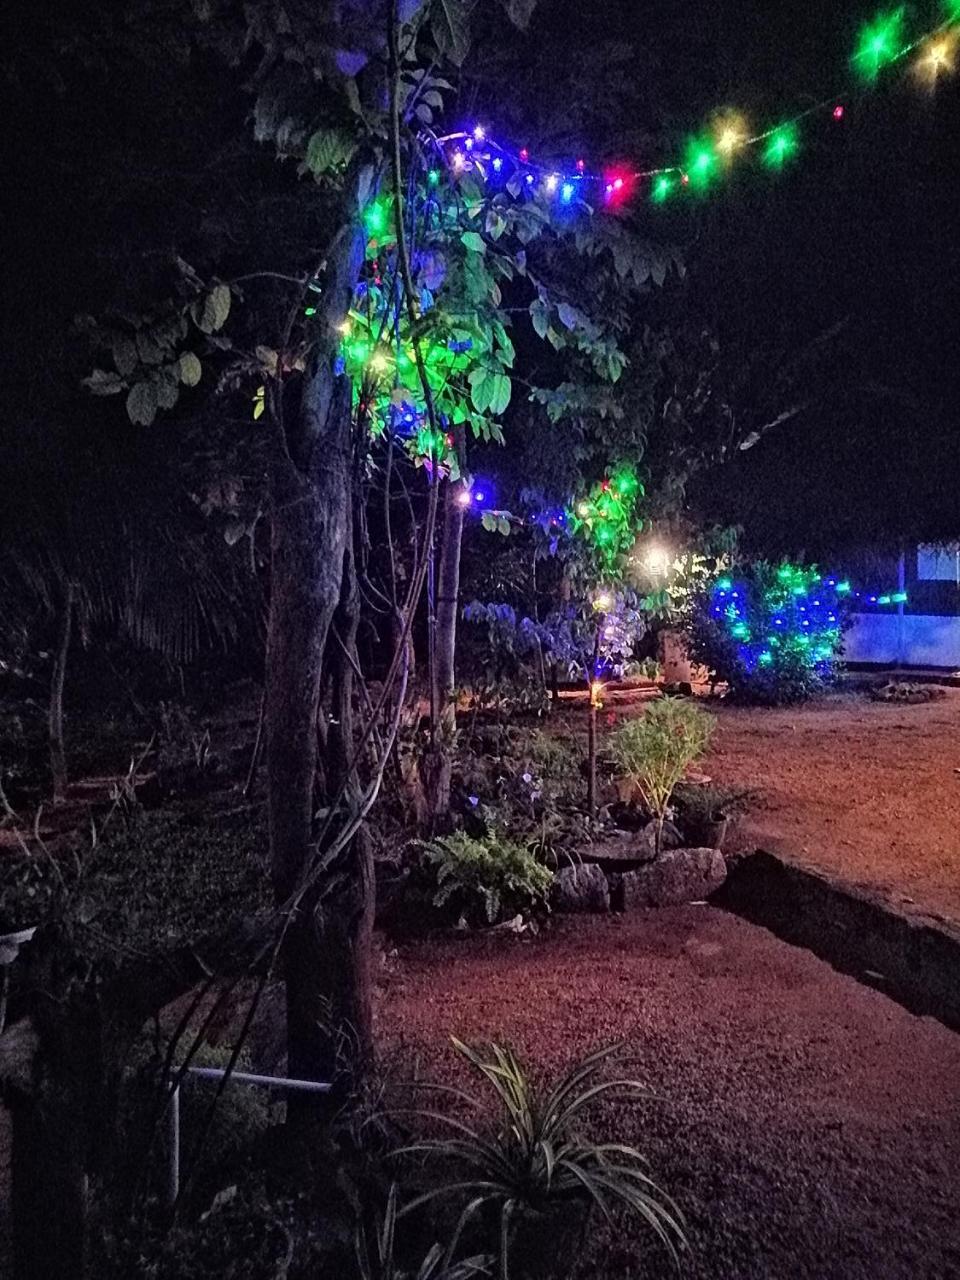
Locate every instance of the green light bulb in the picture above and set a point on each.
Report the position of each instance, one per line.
(724, 584)
(780, 146)
(433, 177)
(701, 162)
(881, 42)
(663, 186)
(375, 219)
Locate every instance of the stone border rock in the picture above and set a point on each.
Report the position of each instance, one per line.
(914, 959)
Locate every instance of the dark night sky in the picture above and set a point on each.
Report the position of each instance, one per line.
(863, 228)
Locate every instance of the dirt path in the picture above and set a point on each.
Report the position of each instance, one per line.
(866, 791)
(809, 1127)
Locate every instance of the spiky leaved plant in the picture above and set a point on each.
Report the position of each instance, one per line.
(535, 1165)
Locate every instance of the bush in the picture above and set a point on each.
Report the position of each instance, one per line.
(487, 880)
(773, 633)
(656, 749)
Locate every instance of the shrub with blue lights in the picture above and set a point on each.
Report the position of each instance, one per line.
(772, 632)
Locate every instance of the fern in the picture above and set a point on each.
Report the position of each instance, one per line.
(487, 881)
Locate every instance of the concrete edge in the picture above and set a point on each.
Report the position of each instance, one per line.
(911, 958)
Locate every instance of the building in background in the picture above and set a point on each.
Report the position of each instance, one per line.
(924, 630)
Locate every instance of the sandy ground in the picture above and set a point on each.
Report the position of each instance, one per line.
(809, 1127)
(866, 791)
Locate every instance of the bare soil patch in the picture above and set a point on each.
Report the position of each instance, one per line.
(865, 791)
(809, 1127)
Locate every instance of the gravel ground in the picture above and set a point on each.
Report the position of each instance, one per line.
(865, 791)
(809, 1127)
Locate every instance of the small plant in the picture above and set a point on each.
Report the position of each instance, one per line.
(704, 802)
(535, 1173)
(904, 692)
(654, 751)
(487, 880)
(378, 1262)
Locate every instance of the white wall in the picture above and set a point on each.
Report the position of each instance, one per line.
(921, 640)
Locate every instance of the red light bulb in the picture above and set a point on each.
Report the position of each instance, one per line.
(580, 166)
(838, 111)
(524, 154)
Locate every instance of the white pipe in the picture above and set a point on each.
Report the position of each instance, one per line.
(269, 1082)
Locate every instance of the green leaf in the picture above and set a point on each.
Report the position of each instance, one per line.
(503, 526)
(327, 149)
(211, 311)
(103, 382)
(124, 355)
(451, 28)
(495, 224)
(500, 393)
(142, 403)
(489, 521)
(481, 389)
(569, 316)
(540, 316)
(190, 369)
(148, 348)
(520, 12)
(474, 241)
(166, 384)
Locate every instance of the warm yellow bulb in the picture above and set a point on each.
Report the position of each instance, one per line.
(730, 133)
(378, 362)
(937, 58)
(728, 140)
(344, 326)
(603, 602)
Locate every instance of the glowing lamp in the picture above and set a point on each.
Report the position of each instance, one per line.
(497, 163)
(524, 154)
(583, 509)
(603, 602)
(479, 496)
(661, 188)
(838, 111)
(580, 166)
(566, 192)
(551, 183)
(464, 498)
(468, 143)
(478, 132)
(658, 560)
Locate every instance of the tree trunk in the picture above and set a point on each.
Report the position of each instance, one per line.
(311, 497)
(346, 909)
(58, 759)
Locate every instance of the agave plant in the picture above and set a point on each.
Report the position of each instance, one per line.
(380, 1263)
(536, 1166)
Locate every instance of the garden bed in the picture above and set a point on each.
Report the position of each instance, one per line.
(800, 1118)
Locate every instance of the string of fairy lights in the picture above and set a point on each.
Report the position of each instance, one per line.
(883, 43)
(381, 362)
